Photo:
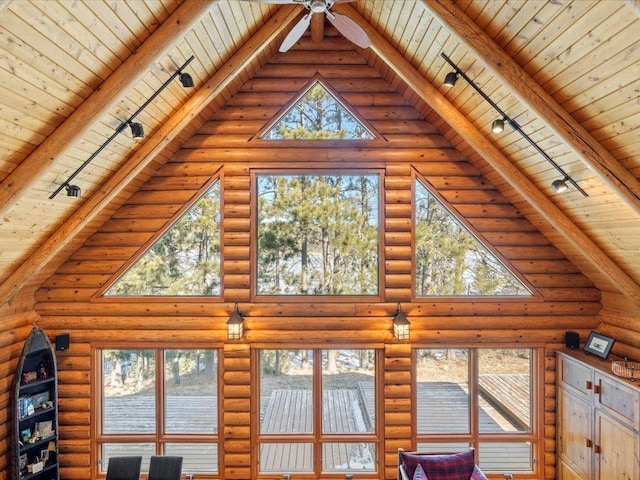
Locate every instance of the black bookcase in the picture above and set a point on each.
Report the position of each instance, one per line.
(35, 413)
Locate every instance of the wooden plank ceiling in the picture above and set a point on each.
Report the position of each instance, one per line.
(567, 71)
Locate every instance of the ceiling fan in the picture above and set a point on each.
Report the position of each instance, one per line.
(347, 27)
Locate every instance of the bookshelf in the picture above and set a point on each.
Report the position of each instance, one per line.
(35, 414)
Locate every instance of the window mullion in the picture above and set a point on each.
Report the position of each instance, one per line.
(160, 400)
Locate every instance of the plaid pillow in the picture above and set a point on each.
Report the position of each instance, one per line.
(419, 473)
(456, 466)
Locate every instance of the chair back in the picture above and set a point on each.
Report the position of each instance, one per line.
(124, 468)
(165, 467)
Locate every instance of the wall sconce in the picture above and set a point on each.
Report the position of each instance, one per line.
(235, 325)
(137, 130)
(498, 126)
(401, 325)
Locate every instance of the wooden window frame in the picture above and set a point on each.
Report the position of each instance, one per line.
(474, 437)
(255, 297)
(158, 438)
(317, 438)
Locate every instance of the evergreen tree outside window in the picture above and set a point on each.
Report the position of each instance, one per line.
(318, 115)
(450, 260)
(184, 261)
(317, 234)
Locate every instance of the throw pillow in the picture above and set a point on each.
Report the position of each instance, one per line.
(457, 466)
(419, 473)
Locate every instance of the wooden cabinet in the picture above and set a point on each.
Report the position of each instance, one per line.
(598, 418)
(35, 414)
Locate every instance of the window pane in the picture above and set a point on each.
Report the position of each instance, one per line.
(197, 457)
(348, 457)
(286, 457)
(285, 391)
(190, 389)
(348, 391)
(450, 260)
(185, 260)
(505, 390)
(145, 450)
(443, 447)
(506, 456)
(128, 391)
(442, 398)
(318, 234)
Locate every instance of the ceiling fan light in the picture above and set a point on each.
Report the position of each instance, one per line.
(451, 79)
(318, 6)
(497, 126)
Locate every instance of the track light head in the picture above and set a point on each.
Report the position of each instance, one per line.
(560, 185)
(451, 79)
(186, 80)
(498, 125)
(73, 191)
(137, 130)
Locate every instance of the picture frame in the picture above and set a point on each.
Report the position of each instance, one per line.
(598, 344)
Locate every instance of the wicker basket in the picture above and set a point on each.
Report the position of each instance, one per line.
(626, 369)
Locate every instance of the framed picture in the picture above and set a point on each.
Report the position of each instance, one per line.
(598, 344)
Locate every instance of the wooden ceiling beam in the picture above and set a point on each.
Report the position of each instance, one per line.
(281, 21)
(17, 184)
(611, 172)
(477, 140)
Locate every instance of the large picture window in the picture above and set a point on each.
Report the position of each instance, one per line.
(159, 402)
(317, 234)
(317, 412)
(481, 398)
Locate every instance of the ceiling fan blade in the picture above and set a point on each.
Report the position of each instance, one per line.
(350, 29)
(296, 32)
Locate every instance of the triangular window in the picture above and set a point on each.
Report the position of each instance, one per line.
(184, 261)
(450, 260)
(318, 115)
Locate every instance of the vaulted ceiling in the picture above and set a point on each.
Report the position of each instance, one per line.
(567, 71)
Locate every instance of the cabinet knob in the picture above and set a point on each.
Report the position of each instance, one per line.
(589, 385)
(596, 389)
(596, 449)
(589, 443)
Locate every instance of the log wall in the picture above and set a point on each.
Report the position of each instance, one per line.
(225, 146)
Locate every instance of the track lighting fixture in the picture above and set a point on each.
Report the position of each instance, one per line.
(451, 79)
(73, 191)
(186, 80)
(137, 130)
(498, 126)
(560, 185)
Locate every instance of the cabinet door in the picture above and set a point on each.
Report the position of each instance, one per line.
(565, 472)
(575, 432)
(617, 449)
(575, 375)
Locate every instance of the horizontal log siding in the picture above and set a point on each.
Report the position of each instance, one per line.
(407, 146)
